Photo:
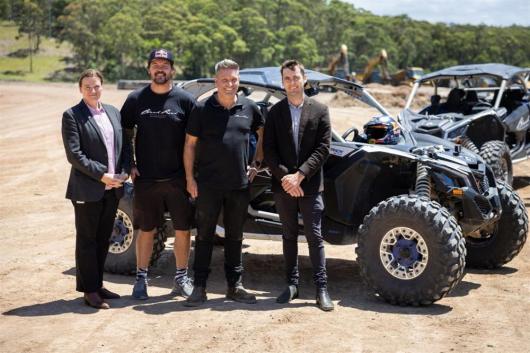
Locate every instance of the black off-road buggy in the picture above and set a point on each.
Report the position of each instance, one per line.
(483, 107)
(414, 208)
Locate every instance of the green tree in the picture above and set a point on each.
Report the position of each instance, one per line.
(83, 23)
(30, 17)
(115, 36)
(298, 45)
(122, 41)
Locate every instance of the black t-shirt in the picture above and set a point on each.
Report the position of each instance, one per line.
(161, 121)
(223, 146)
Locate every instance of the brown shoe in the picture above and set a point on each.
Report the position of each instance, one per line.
(104, 293)
(94, 300)
(240, 294)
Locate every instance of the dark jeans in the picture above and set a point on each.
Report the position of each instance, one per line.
(311, 208)
(93, 223)
(209, 203)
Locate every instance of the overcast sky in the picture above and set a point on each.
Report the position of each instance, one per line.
(490, 12)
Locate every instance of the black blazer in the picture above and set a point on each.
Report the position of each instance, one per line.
(314, 137)
(85, 150)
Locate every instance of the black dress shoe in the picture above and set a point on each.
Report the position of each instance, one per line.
(323, 300)
(197, 297)
(290, 293)
(107, 294)
(240, 294)
(94, 300)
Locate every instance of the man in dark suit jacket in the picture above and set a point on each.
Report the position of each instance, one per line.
(94, 145)
(296, 144)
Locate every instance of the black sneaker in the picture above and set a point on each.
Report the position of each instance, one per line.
(140, 289)
(239, 294)
(197, 298)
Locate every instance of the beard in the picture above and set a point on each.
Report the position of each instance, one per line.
(160, 78)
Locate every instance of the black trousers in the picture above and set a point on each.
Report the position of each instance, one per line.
(93, 223)
(311, 208)
(209, 204)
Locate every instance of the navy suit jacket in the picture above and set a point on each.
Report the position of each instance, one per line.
(314, 138)
(85, 150)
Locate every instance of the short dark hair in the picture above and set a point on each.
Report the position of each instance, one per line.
(291, 64)
(90, 73)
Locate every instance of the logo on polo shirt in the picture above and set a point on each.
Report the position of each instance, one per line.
(241, 116)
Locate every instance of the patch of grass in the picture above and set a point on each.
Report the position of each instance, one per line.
(48, 62)
(18, 68)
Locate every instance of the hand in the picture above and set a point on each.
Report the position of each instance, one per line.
(292, 181)
(191, 186)
(134, 173)
(296, 192)
(123, 176)
(111, 180)
(251, 173)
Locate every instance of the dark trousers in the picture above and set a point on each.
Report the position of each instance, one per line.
(209, 203)
(93, 223)
(311, 208)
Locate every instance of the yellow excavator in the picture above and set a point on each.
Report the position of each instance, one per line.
(339, 65)
(370, 75)
(406, 76)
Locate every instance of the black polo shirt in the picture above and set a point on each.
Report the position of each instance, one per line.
(223, 147)
(161, 121)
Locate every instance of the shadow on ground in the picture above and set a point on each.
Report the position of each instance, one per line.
(520, 182)
(263, 275)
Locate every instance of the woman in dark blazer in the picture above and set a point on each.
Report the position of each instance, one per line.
(100, 159)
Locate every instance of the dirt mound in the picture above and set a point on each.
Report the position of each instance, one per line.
(388, 96)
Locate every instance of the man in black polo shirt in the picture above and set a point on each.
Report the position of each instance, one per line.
(159, 112)
(222, 126)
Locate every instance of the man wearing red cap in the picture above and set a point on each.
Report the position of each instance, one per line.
(159, 112)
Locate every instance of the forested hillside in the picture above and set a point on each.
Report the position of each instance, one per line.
(115, 35)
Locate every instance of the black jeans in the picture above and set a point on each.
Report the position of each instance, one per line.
(209, 203)
(311, 208)
(93, 223)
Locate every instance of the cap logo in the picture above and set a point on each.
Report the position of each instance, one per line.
(161, 54)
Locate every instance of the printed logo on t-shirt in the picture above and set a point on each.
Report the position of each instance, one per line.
(160, 114)
(241, 116)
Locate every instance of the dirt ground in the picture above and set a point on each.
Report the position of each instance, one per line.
(41, 312)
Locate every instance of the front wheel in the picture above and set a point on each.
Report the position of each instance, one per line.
(411, 251)
(497, 155)
(508, 236)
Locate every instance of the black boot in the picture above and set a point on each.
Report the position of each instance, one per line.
(240, 294)
(197, 297)
(323, 300)
(290, 293)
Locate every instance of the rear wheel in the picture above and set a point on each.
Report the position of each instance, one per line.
(497, 156)
(508, 236)
(411, 251)
(122, 243)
